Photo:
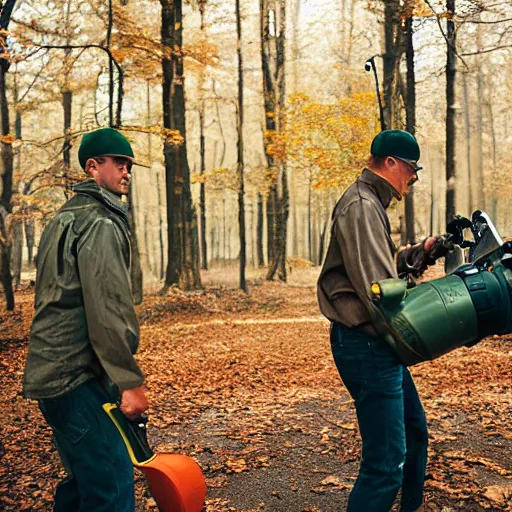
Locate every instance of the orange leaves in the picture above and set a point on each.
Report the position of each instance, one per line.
(7, 139)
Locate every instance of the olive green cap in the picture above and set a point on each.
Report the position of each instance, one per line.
(397, 143)
(104, 142)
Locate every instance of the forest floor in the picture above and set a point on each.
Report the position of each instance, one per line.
(246, 385)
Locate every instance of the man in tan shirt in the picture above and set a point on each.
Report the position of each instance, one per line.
(391, 418)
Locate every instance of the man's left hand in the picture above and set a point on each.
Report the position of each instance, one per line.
(436, 247)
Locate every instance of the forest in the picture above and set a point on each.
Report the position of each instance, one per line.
(248, 120)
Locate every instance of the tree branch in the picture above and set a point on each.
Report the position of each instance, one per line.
(445, 36)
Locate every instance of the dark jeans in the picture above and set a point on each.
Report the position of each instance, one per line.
(391, 422)
(92, 451)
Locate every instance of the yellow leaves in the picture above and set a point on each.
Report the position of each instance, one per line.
(330, 141)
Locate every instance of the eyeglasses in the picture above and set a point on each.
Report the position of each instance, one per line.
(411, 163)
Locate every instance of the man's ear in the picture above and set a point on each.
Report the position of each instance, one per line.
(91, 167)
(391, 164)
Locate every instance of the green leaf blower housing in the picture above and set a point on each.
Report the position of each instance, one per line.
(436, 317)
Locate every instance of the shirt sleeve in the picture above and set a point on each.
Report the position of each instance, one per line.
(366, 247)
(111, 318)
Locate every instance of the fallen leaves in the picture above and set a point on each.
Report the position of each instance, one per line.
(246, 385)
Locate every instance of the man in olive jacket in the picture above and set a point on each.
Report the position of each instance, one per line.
(85, 331)
(390, 415)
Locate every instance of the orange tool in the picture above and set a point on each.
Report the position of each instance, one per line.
(175, 481)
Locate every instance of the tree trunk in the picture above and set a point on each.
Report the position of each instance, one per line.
(348, 57)
(135, 267)
(67, 103)
(273, 70)
(494, 211)
(202, 191)
(181, 262)
(6, 194)
(160, 227)
(391, 57)
(284, 201)
(271, 221)
(451, 64)
(30, 239)
(480, 134)
(310, 241)
(259, 233)
(170, 152)
(240, 146)
(17, 250)
(468, 142)
(323, 232)
(410, 123)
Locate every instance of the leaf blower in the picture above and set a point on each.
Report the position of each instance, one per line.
(175, 481)
(472, 301)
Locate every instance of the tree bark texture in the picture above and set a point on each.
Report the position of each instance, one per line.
(410, 122)
(202, 191)
(451, 66)
(259, 232)
(393, 50)
(467, 122)
(67, 103)
(135, 267)
(181, 262)
(273, 67)
(240, 146)
(6, 171)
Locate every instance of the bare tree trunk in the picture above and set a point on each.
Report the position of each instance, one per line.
(451, 65)
(202, 191)
(271, 221)
(181, 266)
(273, 67)
(323, 232)
(240, 146)
(468, 142)
(494, 211)
(391, 57)
(6, 195)
(67, 103)
(135, 267)
(284, 202)
(310, 241)
(160, 227)
(259, 233)
(480, 137)
(17, 248)
(410, 123)
(348, 58)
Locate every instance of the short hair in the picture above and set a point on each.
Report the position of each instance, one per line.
(99, 159)
(376, 162)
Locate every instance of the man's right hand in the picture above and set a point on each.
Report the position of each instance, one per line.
(133, 402)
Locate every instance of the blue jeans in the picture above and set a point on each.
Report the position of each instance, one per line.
(391, 422)
(92, 452)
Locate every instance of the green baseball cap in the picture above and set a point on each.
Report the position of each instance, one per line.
(104, 142)
(397, 143)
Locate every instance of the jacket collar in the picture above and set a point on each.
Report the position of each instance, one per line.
(383, 189)
(104, 196)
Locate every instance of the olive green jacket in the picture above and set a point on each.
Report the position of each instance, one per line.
(85, 325)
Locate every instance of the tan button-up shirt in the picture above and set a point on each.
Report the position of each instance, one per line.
(360, 251)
